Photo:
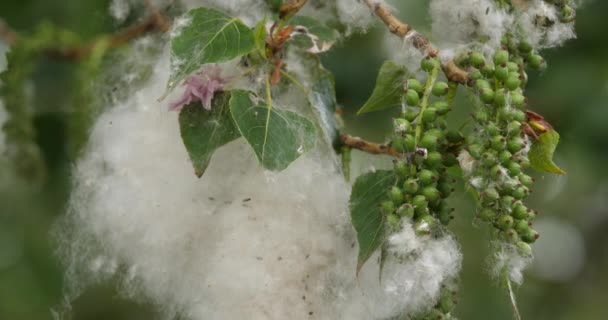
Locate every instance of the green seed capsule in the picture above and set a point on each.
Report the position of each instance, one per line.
(440, 89)
(445, 188)
(511, 235)
(498, 142)
(482, 84)
(414, 84)
(514, 169)
(522, 226)
(454, 136)
(501, 57)
(531, 236)
(491, 194)
(434, 159)
(525, 47)
(431, 193)
(387, 207)
(396, 195)
(476, 151)
(501, 73)
(429, 141)
(410, 115)
(410, 186)
(526, 180)
(393, 221)
(429, 114)
(507, 201)
(442, 107)
(412, 98)
(486, 95)
(519, 193)
(518, 100)
(475, 75)
(481, 116)
(401, 168)
(477, 60)
(428, 64)
(496, 171)
(512, 83)
(492, 129)
(532, 215)
(536, 61)
(399, 144)
(409, 143)
(420, 201)
(406, 211)
(487, 71)
(524, 162)
(424, 225)
(500, 98)
(515, 144)
(401, 125)
(446, 304)
(440, 134)
(487, 214)
(513, 67)
(524, 249)
(520, 211)
(505, 222)
(489, 159)
(519, 115)
(514, 128)
(504, 156)
(427, 177)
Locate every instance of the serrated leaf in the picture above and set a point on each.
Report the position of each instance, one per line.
(322, 97)
(204, 131)
(368, 191)
(541, 152)
(209, 37)
(278, 137)
(388, 90)
(313, 35)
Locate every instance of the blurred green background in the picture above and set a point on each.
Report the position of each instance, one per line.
(569, 279)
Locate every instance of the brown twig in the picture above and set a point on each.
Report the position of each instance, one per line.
(150, 24)
(402, 30)
(370, 147)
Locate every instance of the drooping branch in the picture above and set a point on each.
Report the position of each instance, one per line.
(402, 30)
(370, 147)
(154, 22)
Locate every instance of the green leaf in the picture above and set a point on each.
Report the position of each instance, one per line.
(314, 35)
(367, 193)
(259, 33)
(278, 137)
(389, 88)
(322, 97)
(204, 131)
(541, 152)
(209, 37)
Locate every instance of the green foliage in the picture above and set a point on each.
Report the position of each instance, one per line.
(204, 131)
(388, 90)
(278, 137)
(312, 34)
(366, 214)
(541, 152)
(210, 36)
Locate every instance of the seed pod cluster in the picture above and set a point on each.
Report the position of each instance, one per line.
(444, 307)
(497, 147)
(421, 135)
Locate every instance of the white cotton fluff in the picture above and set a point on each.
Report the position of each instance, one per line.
(120, 9)
(461, 22)
(240, 243)
(508, 259)
(249, 11)
(356, 15)
(544, 36)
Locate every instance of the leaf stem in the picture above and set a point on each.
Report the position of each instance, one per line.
(512, 298)
(430, 81)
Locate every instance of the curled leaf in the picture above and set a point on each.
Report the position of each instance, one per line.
(541, 153)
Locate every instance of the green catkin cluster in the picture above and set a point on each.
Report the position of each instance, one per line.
(497, 146)
(444, 307)
(421, 134)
